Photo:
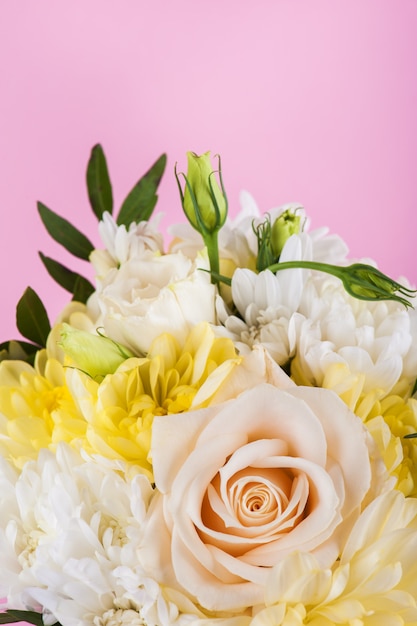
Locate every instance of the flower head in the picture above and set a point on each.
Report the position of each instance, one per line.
(120, 409)
(154, 294)
(37, 408)
(243, 484)
(203, 201)
(373, 583)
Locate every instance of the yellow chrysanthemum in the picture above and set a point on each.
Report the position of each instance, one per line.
(120, 409)
(388, 419)
(36, 408)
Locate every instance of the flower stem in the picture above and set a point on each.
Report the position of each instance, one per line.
(359, 279)
(212, 245)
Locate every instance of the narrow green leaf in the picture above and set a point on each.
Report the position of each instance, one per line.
(13, 615)
(65, 233)
(31, 318)
(7, 618)
(98, 183)
(141, 200)
(65, 277)
(82, 289)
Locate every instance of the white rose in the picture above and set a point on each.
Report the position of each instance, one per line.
(154, 294)
(242, 484)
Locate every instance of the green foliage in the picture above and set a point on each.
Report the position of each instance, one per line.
(31, 316)
(32, 319)
(69, 280)
(65, 233)
(98, 183)
(141, 200)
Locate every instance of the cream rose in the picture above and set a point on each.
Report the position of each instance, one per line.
(151, 295)
(242, 484)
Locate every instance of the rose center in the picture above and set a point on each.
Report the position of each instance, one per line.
(257, 501)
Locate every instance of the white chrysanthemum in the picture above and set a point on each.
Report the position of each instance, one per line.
(267, 302)
(376, 339)
(69, 527)
(375, 581)
(122, 244)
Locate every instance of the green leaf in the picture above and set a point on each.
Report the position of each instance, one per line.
(31, 318)
(141, 200)
(65, 233)
(98, 183)
(65, 277)
(11, 616)
(82, 289)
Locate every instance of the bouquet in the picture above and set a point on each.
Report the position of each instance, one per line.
(220, 431)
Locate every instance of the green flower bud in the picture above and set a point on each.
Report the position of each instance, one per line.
(368, 283)
(287, 224)
(96, 355)
(203, 200)
(360, 280)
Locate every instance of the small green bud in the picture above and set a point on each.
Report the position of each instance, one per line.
(368, 283)
(96, 355)
(203, 200)
(287, 224)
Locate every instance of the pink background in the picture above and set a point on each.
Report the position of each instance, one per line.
(306, 100)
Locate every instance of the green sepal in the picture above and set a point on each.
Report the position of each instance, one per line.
(218, 278)
(141, 200)
(12, 616)
(98, 183)
(65, 233)
(17, 350)
(32, 319)
(66, 278)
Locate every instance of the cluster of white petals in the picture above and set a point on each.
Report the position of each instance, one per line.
(308, 316)
(375, 339)
(122, 244)
(267, 303)
(152, 294)
(70, 537)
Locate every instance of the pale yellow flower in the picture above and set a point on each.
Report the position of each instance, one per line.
(36, 409)
(373, 583)
(388, 419)
(121, 408)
